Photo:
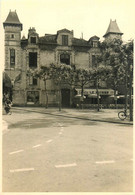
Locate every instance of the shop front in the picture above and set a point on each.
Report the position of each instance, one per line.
(90, 96)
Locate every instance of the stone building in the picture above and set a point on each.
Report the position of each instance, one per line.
(22, 54)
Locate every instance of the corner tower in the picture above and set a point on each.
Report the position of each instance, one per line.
(13, 29)
(113, 31)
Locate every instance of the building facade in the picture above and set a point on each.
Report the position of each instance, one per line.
(23, 54)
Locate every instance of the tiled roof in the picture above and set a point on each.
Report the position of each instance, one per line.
(12, 18)
(79, 42)
(113, 28)
(48, 39)
(94, 38)
(64, 31)
(24, 42)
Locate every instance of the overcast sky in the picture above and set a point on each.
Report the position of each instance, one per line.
(90, 17)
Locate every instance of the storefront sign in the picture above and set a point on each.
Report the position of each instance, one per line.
(93, 91)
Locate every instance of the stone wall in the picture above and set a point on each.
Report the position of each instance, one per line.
(46, 57)
(12, 43)
(82, 59)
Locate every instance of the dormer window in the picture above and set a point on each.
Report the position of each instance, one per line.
(65, 40)
(95, 44)
(33, 40)
(94, 41)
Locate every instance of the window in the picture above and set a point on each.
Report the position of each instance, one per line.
(12, 36)
(65, 59)
(65, 40)
(32, 59)
(12, 57)
(33, 39)
(95, 44)
(32, 81)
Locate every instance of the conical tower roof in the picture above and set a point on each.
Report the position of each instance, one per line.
(113, 28)
(12, 18)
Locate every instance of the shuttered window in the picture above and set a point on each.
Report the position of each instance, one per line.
(32, 59)
(12, 57)
(65, 40)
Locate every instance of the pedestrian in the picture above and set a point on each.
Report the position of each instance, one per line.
(7, 106)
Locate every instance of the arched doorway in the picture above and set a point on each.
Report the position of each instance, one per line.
(33, 98)
(65, 94)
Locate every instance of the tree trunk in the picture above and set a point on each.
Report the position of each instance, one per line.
(115, 98)
(46, 95)
(98, 106)
(81, 100)
(59, 97)
(72, 96)
(126, 93)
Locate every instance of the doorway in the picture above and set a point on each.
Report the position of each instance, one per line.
(33, 97)
(65, 94)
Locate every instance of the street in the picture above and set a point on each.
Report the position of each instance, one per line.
(48, 153)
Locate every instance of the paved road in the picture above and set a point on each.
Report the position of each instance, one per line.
(44, 153)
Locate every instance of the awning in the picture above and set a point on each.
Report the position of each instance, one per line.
(120, 96)
(107, 92)
(123, 96)
(79, 96)
(93, 96)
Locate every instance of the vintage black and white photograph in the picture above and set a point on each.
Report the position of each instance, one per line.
(67, 95)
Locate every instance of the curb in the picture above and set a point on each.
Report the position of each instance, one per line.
(63, 115)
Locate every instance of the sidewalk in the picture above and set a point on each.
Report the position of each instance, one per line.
(104, 115)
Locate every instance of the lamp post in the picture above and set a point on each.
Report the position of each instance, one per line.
(126, 81)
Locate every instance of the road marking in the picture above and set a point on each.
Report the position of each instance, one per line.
(105, 162)
(16, 151)
(21, 170)
(50, 140)
(36, 146)
(67, 165)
